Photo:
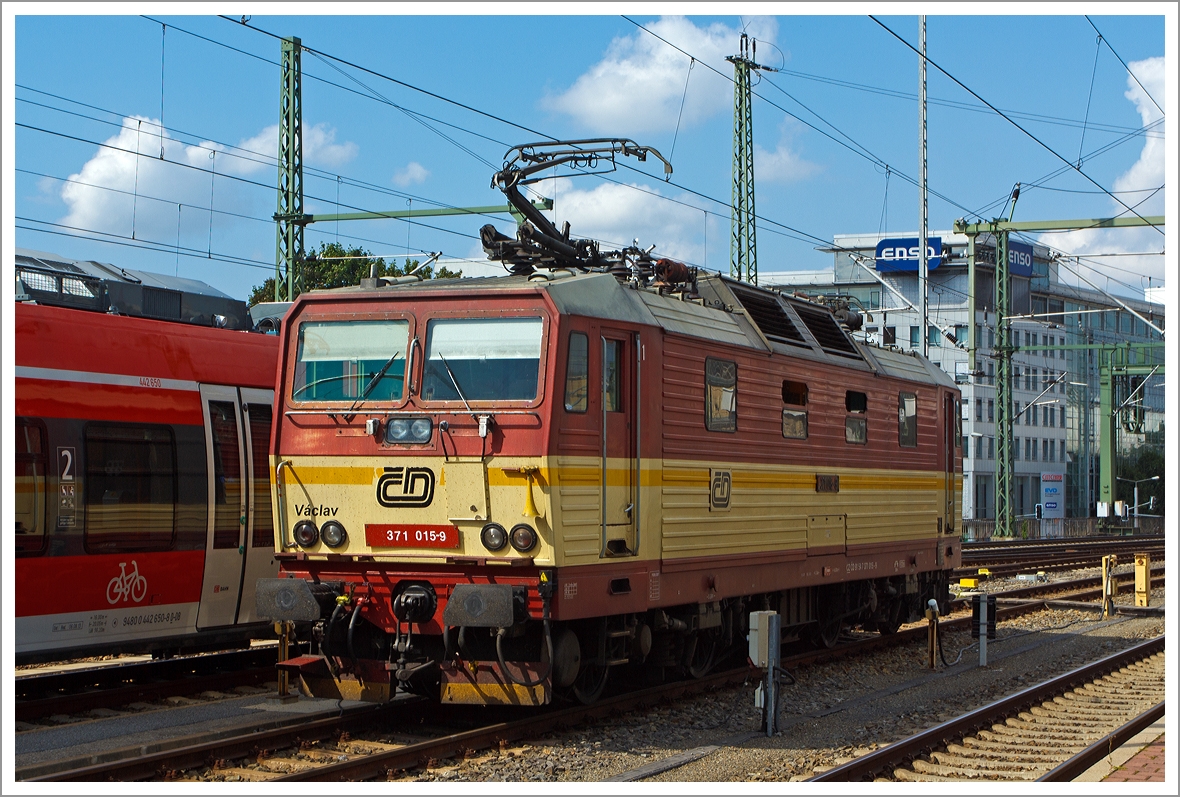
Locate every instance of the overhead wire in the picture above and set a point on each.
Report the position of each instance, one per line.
(959, 105)
(1014, 123)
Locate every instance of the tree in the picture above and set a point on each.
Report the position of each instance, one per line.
(332, 266)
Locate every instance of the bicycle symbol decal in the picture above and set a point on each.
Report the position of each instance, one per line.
(127, 585)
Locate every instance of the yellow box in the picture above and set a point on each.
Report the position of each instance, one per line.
(969, 583)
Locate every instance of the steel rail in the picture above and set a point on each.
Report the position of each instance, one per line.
(1075, 766)
(461, 743)
(885, 759)
(75, 691)
(163, 763)
(413, 755)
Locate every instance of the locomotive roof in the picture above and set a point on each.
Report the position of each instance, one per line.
(725, 311)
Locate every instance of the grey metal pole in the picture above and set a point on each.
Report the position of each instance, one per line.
(770, 707)
(923, 264)
(1136, 506)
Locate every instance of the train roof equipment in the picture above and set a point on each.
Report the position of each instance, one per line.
(51, 279)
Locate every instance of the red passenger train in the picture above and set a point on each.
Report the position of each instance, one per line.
(143, 415)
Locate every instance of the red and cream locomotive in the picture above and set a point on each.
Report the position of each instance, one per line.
(142, 493)
(498, 490)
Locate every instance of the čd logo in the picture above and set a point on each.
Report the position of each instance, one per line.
(405, 487)
(720, 487)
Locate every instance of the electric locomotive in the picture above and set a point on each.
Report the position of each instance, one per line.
(502, 490)
(142, 492)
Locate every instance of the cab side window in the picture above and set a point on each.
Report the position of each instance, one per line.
(577, 373)
(907, 420)
(720, 395)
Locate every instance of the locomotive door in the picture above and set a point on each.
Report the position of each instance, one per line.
(620, 425)
(260, 534)
(225, 546)
(951, 435)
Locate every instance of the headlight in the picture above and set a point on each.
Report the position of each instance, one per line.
(397, 430)
(420, 430)
(306, 534)
(493, 537)
(408, 430)
(333, 534)
(523, 537)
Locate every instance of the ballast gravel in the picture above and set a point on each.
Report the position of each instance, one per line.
(834, 712)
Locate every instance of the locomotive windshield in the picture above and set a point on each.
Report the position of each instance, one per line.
(482, 359)
(347, 360)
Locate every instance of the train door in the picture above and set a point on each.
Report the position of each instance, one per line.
(620, 425)
(951, 437)
(225, 546)
(260, 535)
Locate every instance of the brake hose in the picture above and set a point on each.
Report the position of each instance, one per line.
(548, 643)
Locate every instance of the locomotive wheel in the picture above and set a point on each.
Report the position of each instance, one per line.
(826, 635)
(892, 621)
(702, 654)
(590, 683)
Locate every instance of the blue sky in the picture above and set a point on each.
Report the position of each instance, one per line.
(84, 81)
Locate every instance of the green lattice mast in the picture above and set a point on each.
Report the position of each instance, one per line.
(743, 249)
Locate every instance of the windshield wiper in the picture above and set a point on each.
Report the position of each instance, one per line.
(455, 382)
(377, 377)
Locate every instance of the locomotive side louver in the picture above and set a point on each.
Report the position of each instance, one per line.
(827, 332)
(765, 311)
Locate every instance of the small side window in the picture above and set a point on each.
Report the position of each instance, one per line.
(856, 425)
(795, 421)
(907, 420)
(720, 395)
(795, 393)
(577, 373)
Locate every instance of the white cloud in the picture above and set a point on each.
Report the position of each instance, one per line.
(784, 165)
(145, 177)
(1146, 174)
(638, 85)
(413, 174)
(619, 214)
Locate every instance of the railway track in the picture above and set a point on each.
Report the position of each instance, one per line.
(1048, 731)
(351, 746)
(1056, 555)
(72, 692)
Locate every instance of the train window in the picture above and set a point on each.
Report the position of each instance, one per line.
(130, 488)
(227, 475)
(612, 385)
(795, 421)
(260, 416)
(482, 359)
(30, 485)
(856, 425)
(347, 360)
(720, 395)
(795, 424)
(795, 393)
(907, 420)
(577, 373)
